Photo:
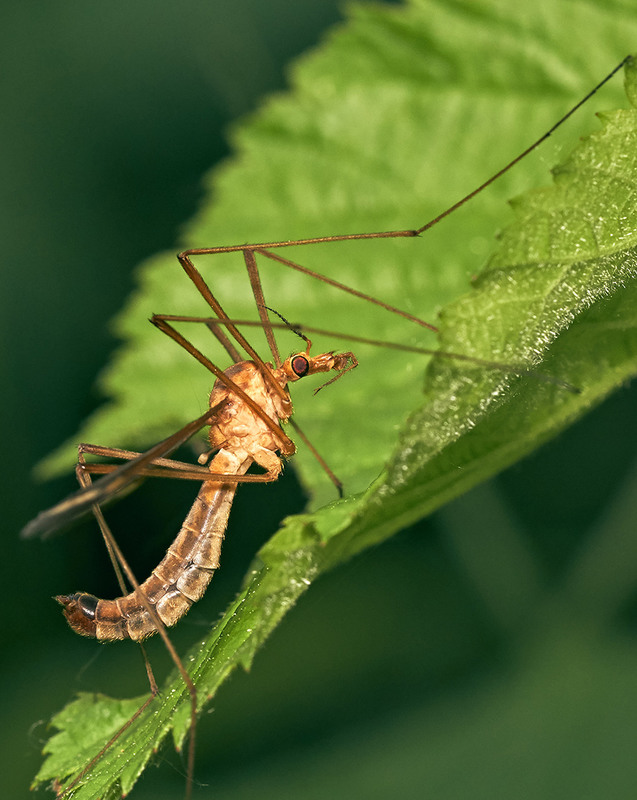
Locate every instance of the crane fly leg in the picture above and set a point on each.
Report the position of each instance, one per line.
(120, 564)
(259, 299)
(160, 467)
(84, 479)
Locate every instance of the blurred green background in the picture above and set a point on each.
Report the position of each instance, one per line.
(487, 652)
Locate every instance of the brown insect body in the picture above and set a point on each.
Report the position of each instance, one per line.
(241, 437)
(247, 406)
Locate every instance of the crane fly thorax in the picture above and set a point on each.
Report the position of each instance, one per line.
(236, 425)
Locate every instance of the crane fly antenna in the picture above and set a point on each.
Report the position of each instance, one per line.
(294, 328)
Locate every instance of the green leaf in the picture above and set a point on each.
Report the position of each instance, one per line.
(349, 151)
(85, 726)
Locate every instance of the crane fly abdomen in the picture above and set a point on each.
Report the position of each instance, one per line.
(179, 580)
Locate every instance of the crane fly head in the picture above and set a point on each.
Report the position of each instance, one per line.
(301, 364)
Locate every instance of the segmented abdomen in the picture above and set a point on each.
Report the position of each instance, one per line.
(179, 580)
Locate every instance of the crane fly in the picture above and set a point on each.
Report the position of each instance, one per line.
(248, 404)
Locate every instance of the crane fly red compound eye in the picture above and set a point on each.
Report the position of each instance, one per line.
(300, 366)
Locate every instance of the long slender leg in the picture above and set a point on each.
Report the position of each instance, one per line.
(225, 341)
(123, 475)
(259, 299)
(84, 479)
(361, 295)
(334, 478)
(302, 329)
(161, 467)
(78, 503)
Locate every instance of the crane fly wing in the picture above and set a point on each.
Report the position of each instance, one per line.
(81, 501)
